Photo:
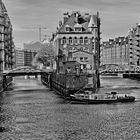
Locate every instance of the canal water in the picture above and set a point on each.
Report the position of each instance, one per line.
(30, 111)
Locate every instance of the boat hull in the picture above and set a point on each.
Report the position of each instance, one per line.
(89, 101)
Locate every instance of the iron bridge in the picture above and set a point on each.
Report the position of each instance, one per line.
(22, 71)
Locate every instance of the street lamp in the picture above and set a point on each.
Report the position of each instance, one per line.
(96, 55)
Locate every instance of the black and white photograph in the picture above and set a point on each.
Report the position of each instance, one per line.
(69, 70)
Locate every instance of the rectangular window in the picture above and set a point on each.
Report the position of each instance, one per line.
(77, 29)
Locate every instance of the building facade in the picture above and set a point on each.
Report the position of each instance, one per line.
(30, 51)
(134, 45)
(77, 39)
(115, 51)
(19, 57)
(123, 51)
(6, 40)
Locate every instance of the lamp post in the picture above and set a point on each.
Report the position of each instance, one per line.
(96, 54)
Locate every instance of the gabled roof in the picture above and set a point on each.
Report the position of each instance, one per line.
(2, 8)
(92, 22)
(78, 20)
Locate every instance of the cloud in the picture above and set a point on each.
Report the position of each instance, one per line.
(117, 16)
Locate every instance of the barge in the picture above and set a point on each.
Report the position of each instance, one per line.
(89, 98)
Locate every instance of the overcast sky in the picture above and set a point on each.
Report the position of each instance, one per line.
(117, 16)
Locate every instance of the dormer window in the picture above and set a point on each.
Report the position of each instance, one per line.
(78, 28)
(67, 28)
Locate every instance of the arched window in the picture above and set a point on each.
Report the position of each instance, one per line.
(81, 40)
(75, 40)
(70, 40)
(64, 40)
(86, 40)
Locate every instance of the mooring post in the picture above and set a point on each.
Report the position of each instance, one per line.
(4, 82)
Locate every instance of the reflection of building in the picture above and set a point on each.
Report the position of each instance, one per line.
(76, 39)
(6, 40)
(115, 51)
(19, 56)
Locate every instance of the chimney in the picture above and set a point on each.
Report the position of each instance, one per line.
(76, 15)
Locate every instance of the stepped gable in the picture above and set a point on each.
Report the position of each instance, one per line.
(76, 19)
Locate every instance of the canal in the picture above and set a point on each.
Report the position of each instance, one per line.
(30, 111)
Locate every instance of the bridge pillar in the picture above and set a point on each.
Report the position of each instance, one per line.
(7, 81)
(4, 82)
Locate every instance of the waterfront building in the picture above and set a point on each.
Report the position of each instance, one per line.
(123, 51)
(6, 40)
(78, 39)
(115, 51)
(134, 45)
(19, 57)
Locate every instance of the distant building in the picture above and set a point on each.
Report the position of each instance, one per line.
(115, 51)
(123, 51)
(19, 57)
(30, 51)
(77, 38)
(134, 45)
(6, 40)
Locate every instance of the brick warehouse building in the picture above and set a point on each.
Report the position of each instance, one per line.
(123, 51)
(134, 45)
(77, 38)
(6, 40)
(115, 52)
